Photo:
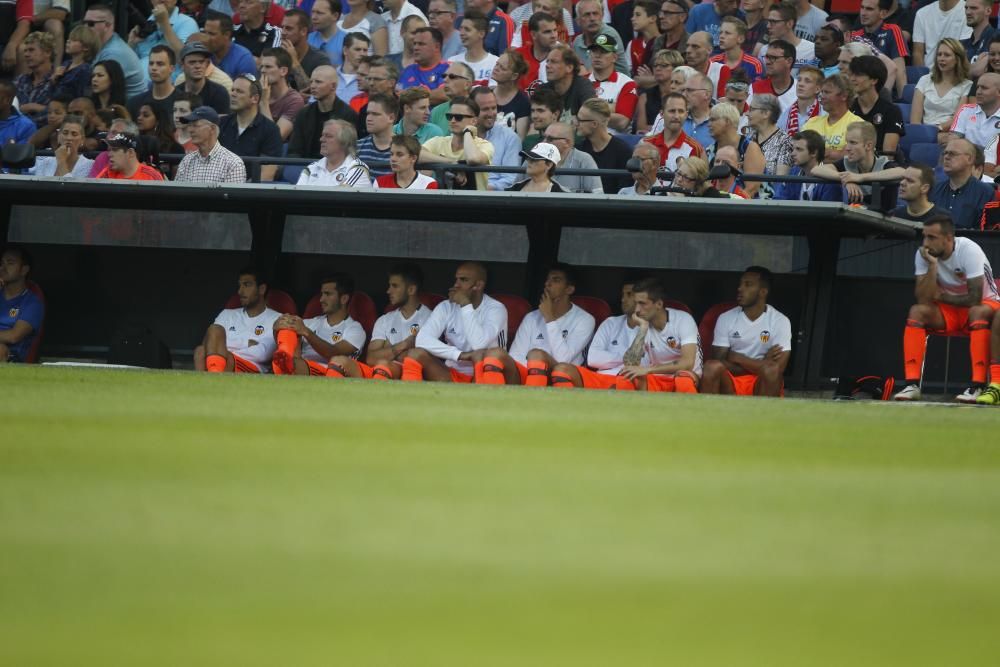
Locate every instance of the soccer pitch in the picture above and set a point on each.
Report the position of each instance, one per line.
(172, 518)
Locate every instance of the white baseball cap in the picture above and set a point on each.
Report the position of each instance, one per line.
(543, 151)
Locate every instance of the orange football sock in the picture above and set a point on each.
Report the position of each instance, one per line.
(538, 374)
(995, 372)
(282, 363)
(381, 372)
(490, 372)
(215, 363)
(914, 347)
(413, 370)
(684, 384)
(561, 379)
(979, 349)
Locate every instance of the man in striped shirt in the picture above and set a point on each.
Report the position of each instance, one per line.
(379, 120)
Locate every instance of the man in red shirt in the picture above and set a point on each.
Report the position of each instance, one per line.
(123, 162)
(544, 35)
(673, 143)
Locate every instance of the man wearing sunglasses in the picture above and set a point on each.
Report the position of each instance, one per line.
(458, 80)
(101, 20)
(462, 146)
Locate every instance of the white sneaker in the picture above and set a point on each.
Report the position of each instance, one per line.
(910, 392)
(970, 394)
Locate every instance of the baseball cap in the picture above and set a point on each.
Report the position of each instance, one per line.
(202, 113)
(195, 47)
(604, 43)
(542, 151)
(121, 140)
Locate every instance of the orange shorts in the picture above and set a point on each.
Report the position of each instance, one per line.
(243, 366)
(594, 380)
(956, 318)
(660, 383)
(743, 384)
(367, 372)
(458, 376)
(316, 369)
(522, 371)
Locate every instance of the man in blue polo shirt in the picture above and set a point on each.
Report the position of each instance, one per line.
(428, 69)
(962, 195)
(101, 19)
(15, 127)
(232, 58)
(21, 312)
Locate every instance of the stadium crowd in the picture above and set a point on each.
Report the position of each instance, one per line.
(374, 93)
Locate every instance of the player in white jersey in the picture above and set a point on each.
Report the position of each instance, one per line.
(394, 333)
(955, 294)
(458, 332)
(752, 343)
(558, 331)
(305, 346)
(241, 339)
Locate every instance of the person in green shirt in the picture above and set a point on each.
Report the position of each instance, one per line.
(416, 105)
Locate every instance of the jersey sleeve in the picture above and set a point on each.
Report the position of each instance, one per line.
(601, 356)
(355, 335)
(381, 329)
(784, 335)
(721, 334)
(687, 328)
(429, 336)
(627, 99)
(522, 339)
(32, 312)
(973, 261)
(223, 319)
(569, 348)
(484, 327)
(920, 265)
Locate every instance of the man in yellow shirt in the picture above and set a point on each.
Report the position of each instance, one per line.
(836, 98)
(462, 145)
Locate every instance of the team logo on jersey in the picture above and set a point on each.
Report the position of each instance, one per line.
(258, 330)
(877, 119)
(672, 343)
(232, 328)
(414, 328)
(340, 178)
(765, 336)
(336, 337)
(565, 334)
(736, 334)
(539, 337)
(13, 312)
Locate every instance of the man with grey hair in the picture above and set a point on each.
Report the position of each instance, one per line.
(590, 18)
(560, 135)
(645, 179)
(338, 166)
(698, 90)
(212, 162)
(458, 81)
(305, 138)
(441, 15)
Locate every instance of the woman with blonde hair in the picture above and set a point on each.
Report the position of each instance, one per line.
(940, 93)
(723, 125)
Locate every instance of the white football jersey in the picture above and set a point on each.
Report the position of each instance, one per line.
(452, 329)
(251, 338)
(565, 338)
(612, 339)
(347, 329)
(394, 328)
(664, 346)
(753, 339)
(967, 261)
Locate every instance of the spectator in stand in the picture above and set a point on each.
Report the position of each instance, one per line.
(403, 161)
(737, 94)
(707, 17)
(540, 167)
(980, 123)
(607, 150)
(651, 98)
(836, 97)
(886, 37)
(860, 167)
(940, 93)
(304, 56)
(724, 122)
(646, 26)
(697, 55)
(34, 88)
(615, 88)
(72, 77)
(829, 41)
(356, 46)
(563, 73)
(512, 102)
(674, 144)
(232, 58)
(462, 146)
(544, 35)
(646, 177)
(198, 10)
(673, 31)
(325, 35)
(692, 176)
(278, 101)
(590, 18)
(15, 24)
(808, 152)
(441, 16)
(161, 62)
(561, 136)
(727, 157)
(992, 58)
(68, 162)
(458, 82)
(361, 19)
(123, 160)
(410, 26)
(254, 32)
(184, 104)
(867, 78)
(380, 78)
(309, 124)
(170, 28)
(154, 122)
(806, 104)
(101, 19)
(809, 19)
(396, 12)
(962, 195)
(506, 143)
(376, 146)
(934, 22)
(546, 108)
(781, 27)
(107, 84)
(977, 45)
(522, 15)
(245, 131)
(698, 90)
(914, 189)
(195, 60)
(84, 108)
(473, 35)
(47, 135)
(337, 166)
(212, 162)
(779, 57)
(116, 126)
(501, 28)
(428, 70)
(416, 113)
(733, 57)
(50, 16)
(773, 142)
(21, 312)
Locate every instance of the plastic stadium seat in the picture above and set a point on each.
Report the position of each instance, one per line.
(631, 139)
(908, 93)
(32, 356)
(914, 72)
(276, 300)
(597, 307)
(904, 110)
(917, 134)
(362, 309)
(926, 153)
(429, 299)
(517, 308)
(678, 305)
(706, 329)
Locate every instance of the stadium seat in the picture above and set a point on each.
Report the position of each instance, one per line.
(908, 93)
(597, 307)
(678, 305)
(706, 329)
(904, 110)
(429, 299)
(926, 153)
(632, 140)
(32, 356)
(917, 134)
(276, 300)
(362, 309)
(517, 308)
(914, 72)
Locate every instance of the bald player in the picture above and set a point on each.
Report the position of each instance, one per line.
(394, 333)
(558, 331)
(305, 346)
(458, 332)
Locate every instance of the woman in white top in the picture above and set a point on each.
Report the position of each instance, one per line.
(68, 163)
(940, 93)
(362, 19)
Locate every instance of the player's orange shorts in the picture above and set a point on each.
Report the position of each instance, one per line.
(594, 380)
(242, 365)
(460, 377)
(956, 318)
(522, 371)
(316, 369)
(660, 383)
(743, 384)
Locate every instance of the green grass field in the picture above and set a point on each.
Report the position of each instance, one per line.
(169, 518)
